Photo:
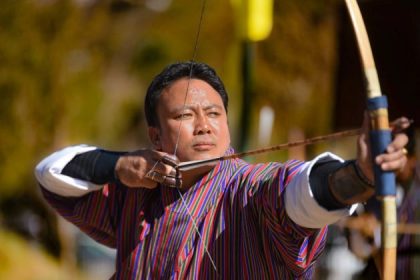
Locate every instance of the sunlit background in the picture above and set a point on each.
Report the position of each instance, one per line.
(76, 71)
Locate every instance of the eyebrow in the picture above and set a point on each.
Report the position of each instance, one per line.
(208, 107)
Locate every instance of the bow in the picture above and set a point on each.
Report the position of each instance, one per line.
(380, 137)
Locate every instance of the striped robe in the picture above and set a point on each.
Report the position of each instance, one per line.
(238, 209)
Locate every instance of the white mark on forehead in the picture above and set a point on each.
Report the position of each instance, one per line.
(198, 95)
(197, 91)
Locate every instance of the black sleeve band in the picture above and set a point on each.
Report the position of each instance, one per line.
(318, 180)
(95, 166)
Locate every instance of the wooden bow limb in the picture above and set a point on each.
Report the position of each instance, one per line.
(380, 137)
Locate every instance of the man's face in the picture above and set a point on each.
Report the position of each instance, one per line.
(201, 122)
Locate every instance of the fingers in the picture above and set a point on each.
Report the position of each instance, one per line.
(399, 142)
(147, 168)
(167, 180)
(395, 157)
(162, 168)
(392, 161)
(164, 171)
(400, 124)
(170, 160)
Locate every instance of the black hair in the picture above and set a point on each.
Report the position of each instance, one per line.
(174, 72)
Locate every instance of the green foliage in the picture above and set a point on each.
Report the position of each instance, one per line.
(52, 62)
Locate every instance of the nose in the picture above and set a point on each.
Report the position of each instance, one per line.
(202, 125)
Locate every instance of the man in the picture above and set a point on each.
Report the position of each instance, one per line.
(230, 220)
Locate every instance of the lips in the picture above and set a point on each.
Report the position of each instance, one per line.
(203, 145)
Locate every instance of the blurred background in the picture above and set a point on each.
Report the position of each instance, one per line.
(76, 71)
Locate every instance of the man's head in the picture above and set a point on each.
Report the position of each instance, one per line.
(199, 116)
(176, 71)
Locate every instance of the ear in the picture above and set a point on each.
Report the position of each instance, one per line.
(154, 136)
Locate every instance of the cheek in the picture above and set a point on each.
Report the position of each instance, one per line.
(226, 133)
(221, 129)
(172, 129)
(220, 126)
(168, 132)
(186, 136)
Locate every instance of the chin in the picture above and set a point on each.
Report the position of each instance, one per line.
(199, 156)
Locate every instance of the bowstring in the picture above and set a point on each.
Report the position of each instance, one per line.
(197, 230)
(197, 37)
(178, 186)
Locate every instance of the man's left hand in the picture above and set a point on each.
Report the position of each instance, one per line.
(394, 157)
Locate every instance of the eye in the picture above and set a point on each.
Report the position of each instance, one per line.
(183, 116)
(213, 114)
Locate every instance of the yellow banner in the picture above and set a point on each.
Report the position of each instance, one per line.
(254, 18)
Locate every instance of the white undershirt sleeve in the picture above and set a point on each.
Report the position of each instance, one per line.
(301, 205)
(48, 173)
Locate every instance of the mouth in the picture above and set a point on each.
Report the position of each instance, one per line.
(203, 146)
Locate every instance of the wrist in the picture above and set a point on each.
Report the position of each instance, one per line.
(106, 166)
(362, 176)
(349, 185)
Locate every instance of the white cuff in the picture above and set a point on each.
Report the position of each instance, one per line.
(48, 173)
(301, 205)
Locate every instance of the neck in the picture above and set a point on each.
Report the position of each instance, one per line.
(190, 177)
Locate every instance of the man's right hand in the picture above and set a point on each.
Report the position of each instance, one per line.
(146, 169)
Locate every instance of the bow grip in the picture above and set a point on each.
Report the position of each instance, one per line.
(380, 137)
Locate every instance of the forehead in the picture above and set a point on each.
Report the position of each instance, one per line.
(199, 93)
